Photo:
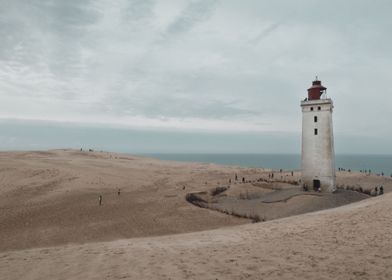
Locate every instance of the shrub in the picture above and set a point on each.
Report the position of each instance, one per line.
(195, 199)
(256, 218)
(218, 190)
(367, 191)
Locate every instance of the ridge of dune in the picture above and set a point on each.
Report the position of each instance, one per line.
(349, 242)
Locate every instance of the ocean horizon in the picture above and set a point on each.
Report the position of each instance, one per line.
(375, 163)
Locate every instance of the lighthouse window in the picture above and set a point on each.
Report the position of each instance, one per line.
(315, 131)
(315, 118)
(311, 108)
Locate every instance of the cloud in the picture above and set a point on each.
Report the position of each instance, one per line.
(265, 32)
(195, 12)
(195, 64)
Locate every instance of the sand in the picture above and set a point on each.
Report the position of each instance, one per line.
(51, 198)
(51, 226)
(267, 201)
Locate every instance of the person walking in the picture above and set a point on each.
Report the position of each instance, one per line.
(119, 192)
(381, 190)
(100, 200)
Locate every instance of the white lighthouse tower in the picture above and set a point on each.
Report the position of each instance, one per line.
(318, 155)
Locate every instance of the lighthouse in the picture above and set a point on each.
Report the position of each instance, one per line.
(318, 155)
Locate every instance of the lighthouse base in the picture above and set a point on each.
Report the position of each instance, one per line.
(323, 184)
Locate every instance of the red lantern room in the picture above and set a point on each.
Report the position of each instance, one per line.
(316, 90)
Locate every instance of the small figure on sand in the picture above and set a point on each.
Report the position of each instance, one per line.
(119, 192)
(243, 179)
(236, 177)
(100, 200)
(376, 191)
(381, 190)
(230, 181)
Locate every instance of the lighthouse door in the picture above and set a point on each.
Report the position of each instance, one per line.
(316, 185)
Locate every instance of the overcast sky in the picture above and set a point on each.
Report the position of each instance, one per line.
(208, 66)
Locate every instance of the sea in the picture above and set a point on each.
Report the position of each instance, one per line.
(32, 135)
(375, 163)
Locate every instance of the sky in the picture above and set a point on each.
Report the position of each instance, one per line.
(226, 72)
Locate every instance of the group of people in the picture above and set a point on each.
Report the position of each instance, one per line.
(100, 197)
(305, 188)
(270, 176)
(366, 171)
(344, 169)
(236, 178)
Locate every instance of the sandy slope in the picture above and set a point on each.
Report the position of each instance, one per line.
(350, 242)
(50, 199)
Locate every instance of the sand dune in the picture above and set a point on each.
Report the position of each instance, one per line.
(350, 242)
(51, 226)
(51, 198)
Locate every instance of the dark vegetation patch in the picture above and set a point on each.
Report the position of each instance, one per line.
(218, 190)
(196, 199)
(359, 189)
(270, 201)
